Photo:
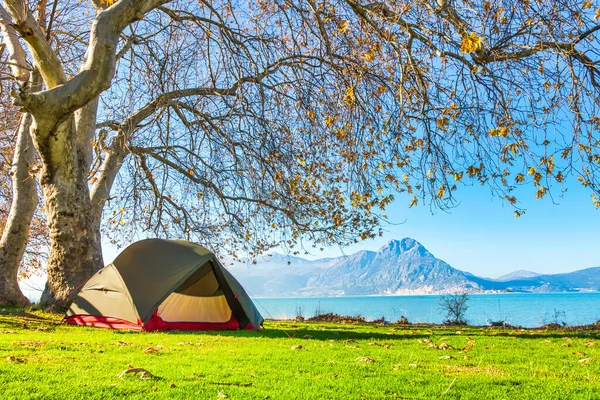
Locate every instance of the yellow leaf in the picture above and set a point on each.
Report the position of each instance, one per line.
(369, 56)
(350, 97)
(595, 201)
(470, 43)
(107, 2)
(520, 178)
(540, 193)
(441, 192)
(414, 201)
(343, 27)
(597, 14)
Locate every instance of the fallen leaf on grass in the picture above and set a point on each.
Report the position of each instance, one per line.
(185, 343)
(501, 334)
(307, 337)
(221, 395)
(14, 359)
(122, 343)
(365, 359)
(42, 329)
(468, 357)
(172, 385)
(442, 339)
(373, 344)
(466, 348)
(458, 332)
(470, 340)
(447, 358)
(589, 343)
(151, 350)
(144, 373)
(579, 353)
(387, 346)
(351, 346)
(412, 365)
(445, 346)
(349, 340)
(586, 360)
(298, 347)
(566, 345)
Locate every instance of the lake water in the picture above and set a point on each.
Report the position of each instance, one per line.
(525, 309)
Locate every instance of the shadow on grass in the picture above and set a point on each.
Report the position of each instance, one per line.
(345, 332)
(341, 333)
(19, 318)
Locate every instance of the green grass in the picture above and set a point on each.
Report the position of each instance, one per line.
(41, 359)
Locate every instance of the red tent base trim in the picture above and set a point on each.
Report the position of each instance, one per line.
(99, 321)
(154, 324)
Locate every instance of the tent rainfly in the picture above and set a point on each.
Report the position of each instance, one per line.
(157, 284)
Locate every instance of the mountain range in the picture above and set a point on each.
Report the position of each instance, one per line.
(400, 267)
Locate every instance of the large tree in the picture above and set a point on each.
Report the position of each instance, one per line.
(258, 124)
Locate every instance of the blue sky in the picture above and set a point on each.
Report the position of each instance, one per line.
(482, 236)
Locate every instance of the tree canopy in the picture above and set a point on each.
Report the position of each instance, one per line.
(250, 125)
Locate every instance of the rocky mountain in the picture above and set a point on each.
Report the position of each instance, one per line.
(400, 267)
(518, 275)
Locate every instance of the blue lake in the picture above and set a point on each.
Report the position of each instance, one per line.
(525, 309)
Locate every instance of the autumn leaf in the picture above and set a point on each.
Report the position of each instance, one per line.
(414, 201)
(151, 350)
(595, 200)
(470, 43)
(597, 14)
(107, 2)
(343, 27)
(350, 97)
(144, 373)
(540, 193)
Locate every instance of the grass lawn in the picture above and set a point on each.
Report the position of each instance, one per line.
(41, 359)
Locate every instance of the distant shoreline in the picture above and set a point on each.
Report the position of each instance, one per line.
(424, 294)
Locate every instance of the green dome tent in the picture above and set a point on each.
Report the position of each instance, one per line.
(157, 284)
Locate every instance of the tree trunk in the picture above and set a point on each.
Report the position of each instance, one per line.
(75, 246)
(24, 203)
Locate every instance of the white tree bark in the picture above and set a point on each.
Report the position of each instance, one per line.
(24, 188)
(16, 231)
(63, 122)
